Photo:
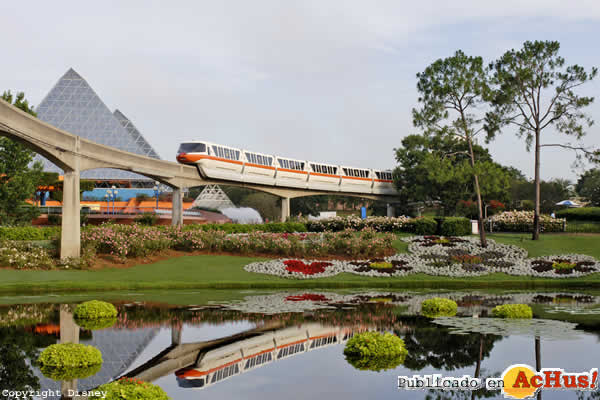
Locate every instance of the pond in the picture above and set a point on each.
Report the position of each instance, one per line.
(272, 345)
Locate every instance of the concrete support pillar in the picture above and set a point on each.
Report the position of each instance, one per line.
(70, 244)
(176, 331)
(177, 208)
(391, 211)
(69, 333)
(285, 208)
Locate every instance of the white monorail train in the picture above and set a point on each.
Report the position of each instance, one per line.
(248, 354)
(228, 163)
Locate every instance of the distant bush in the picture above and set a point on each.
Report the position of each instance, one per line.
(95, 309)
(438, 307)
(28, 233)
(513, 311)
(455, 226)
(424, 226)
(583, 227)
(131, 388)
(580, 214)
(148, 219)
(375, 351)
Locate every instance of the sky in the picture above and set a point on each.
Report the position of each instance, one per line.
(331, 81)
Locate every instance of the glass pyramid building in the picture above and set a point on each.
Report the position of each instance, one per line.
(72, 105)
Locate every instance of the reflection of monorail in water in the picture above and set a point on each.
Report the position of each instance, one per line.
(248, 354)
(229, 163)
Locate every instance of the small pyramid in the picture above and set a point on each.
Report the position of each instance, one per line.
(72, 105)
(212, 196)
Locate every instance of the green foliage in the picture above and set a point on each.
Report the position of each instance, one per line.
(580, 214)
(54, 219)
(131, 389)
(381, 265)
(28, 233)
(513, 311)
(95, 309)
(70, 355)
(96, 324)
(18, 351)
(438, 307)
(18, 180)
(375, 351)
(561, 266)
(455, 226)
(70, 373)
(588, 186)
(148, 219)
(424, 226)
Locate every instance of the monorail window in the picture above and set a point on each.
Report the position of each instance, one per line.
(225, 373)
(192, 148)
(224, 152)
(323, 341)
(259, 159)
(358, 173)
(323, 169)
(289, 350)
(291, 164)
(258, 360)
(384, 175)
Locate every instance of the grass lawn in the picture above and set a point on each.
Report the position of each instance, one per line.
(226, 272)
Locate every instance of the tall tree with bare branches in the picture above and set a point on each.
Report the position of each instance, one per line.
(452, 98)
(536, 92)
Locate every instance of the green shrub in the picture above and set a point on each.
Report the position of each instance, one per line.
(512, 311)
(438, 307)
(70, 355)
(54, 219)
(455, 226)
(381, 265)
(375, 351)
(274, 227)
(148, 219)
(580, 214)
(583, 227)
(96, 324)
(131, 389)
(424, 226)
(28, 233)
(95, 309)
(67, 374)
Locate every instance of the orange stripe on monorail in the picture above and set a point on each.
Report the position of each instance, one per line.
(258, 354)
(327, 175)
(323, 336)
(292, 170)
(194, 372)
(292, 343)
(259, 166)
(356, 177)
(197, 157)
(383, 180)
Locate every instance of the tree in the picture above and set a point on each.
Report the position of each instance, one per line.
(588, 186)
(267, 205)
(535, 91)
(452, 91)
(437, 169)
(16, 347)
(18, 181)
(309, 205)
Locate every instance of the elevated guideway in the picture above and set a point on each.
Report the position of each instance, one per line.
(74, 154)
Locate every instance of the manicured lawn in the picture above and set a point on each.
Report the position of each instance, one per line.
(227, 272)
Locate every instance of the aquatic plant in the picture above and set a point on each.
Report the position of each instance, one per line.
(512, 311)
(70, 355)
(375, 351)
(438, 307)
(95, 309)
(131, 388)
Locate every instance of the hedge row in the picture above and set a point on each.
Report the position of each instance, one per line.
(580, 214)
(29, 233)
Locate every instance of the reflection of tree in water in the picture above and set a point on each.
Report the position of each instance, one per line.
(593, 395)
(16, 347)
(482, 393)
(433, 345)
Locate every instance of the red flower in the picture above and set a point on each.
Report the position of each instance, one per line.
(299, 266)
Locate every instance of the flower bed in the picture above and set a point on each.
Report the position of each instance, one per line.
(522, 221)
(435, 255)
(127, 241)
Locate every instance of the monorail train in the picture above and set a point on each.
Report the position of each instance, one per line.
(228, 163)
(233, 359)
